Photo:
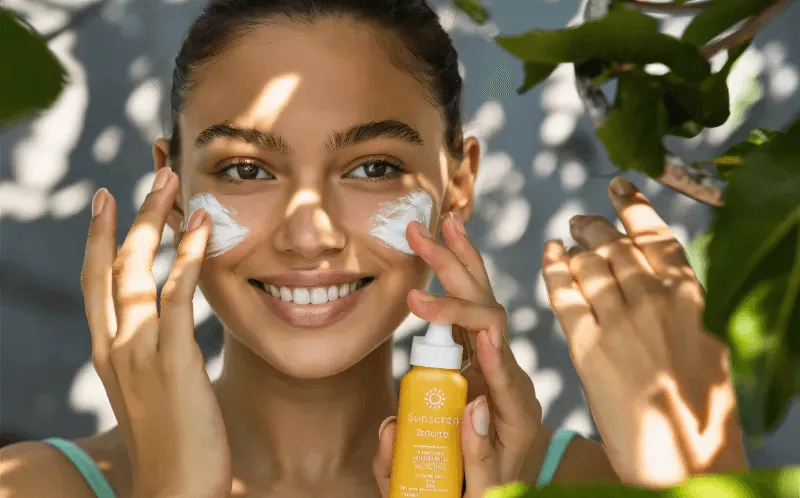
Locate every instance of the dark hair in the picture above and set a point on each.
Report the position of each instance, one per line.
(429, 53)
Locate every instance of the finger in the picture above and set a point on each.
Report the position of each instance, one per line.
(648, 230)
(448, 309)
(457, 240)
(599, 286)
(178, 291)
(135, 288)
(570, 306)
(574, 250)
(593, 231)
(382, 463)
(480, 459)
(515, 411)
(101, 249)
(454, 277)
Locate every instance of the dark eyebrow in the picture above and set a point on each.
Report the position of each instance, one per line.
(356, 134)
(252, 136)
(375, 129)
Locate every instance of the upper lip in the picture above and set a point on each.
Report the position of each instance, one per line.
(312, 278)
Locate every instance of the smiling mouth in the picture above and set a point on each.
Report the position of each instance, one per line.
(312, 295)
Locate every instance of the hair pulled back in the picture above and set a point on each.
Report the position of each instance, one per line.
(429, 55)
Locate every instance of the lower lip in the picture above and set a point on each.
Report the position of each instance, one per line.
(313, 315)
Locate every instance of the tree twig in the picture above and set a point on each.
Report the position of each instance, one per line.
(748, 30)
(669, 7)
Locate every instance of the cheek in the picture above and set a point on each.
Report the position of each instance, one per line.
(386, 222)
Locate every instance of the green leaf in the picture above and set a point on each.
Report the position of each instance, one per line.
(734, 156)
(634, 128)
(473, 9)
(693, 106)
(697, 256)
(773, 483)
(31, 77)
(535, 73)
(720, 16)
(754, 278)
(622, 36)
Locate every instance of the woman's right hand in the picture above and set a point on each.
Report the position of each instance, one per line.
(149, 363)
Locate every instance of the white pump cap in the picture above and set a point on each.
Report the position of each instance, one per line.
(436, 349)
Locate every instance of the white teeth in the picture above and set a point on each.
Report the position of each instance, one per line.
(316, 295)
(333, 293)
(319, 295)
(301, 296)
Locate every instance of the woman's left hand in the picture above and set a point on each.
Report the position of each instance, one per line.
(504, 411)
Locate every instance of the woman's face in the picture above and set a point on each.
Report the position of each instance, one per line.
(304, 133)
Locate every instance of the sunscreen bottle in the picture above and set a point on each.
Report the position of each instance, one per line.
(427, 461)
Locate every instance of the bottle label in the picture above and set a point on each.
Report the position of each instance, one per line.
(427, 461)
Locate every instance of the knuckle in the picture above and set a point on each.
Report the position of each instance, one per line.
(171, 293)
(128, 358)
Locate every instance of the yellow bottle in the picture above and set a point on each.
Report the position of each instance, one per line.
(427, 461)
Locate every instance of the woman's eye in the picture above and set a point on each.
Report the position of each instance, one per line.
(375, 170)
(245, 171)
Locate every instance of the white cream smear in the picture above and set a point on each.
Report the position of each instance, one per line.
(390, 222)
(225, 232)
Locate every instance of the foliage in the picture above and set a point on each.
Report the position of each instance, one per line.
(781, 483)
(750, 262)
(31, 77)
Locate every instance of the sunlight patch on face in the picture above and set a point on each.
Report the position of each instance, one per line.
(273, 100)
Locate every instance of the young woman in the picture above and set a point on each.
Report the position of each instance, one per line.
(295, 121)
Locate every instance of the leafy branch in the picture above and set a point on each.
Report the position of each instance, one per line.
(753, 253)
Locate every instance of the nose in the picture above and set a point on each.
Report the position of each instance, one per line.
(308, 228)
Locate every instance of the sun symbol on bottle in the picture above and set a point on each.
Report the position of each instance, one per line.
(434, 398)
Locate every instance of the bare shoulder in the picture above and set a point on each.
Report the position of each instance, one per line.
(34, 468)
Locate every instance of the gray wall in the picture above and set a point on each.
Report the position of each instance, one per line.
(541, 165)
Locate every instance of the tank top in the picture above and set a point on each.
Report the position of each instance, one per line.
(99, 485)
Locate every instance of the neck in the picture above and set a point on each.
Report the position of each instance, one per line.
(303, 430)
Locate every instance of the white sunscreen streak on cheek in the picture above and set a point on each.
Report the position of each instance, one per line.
(225, 232)
(390, 223)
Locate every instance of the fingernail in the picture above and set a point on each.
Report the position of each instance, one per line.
(98, 201)
(575, 219)
(458, 223)
(622, 186)
(480, 417)
(423, 230)
(384, 424)
(161, 178)
(425, 297)
(197, 218)
(495, 337)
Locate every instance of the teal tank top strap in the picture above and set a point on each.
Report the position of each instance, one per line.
(85, 465)
(555, 451)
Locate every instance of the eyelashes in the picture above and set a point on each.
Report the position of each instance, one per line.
(372, 170)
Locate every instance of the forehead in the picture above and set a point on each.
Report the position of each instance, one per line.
(309, 80)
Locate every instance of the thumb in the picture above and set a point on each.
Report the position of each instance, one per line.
(382, 463)
(480, 458)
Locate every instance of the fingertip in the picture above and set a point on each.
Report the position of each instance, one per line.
(553, 251)
(388, 424)
(197, 218)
